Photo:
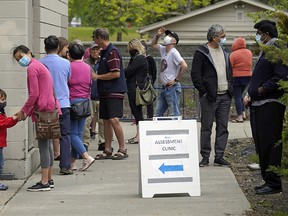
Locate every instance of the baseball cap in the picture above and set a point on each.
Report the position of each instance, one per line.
(167, 32)
(93, 44)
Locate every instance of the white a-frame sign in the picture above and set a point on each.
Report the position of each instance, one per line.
(169, 161)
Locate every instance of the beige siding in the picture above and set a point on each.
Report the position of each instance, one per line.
(50, 17)
(195, 29)
(14, 9)
(57, 6)
(25, 22)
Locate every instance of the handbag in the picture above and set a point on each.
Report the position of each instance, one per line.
(147, 95)
(47, 124)
(80, 110)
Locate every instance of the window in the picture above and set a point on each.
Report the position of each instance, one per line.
(239, 16)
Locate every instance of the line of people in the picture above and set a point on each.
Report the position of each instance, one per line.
(68, 81)
(212, 76)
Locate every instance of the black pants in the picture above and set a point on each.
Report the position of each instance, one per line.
(150, 111)
(269, 124)
(136, 111)
(253, 127)
(220, 112)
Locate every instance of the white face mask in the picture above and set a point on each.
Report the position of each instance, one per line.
(167, 40)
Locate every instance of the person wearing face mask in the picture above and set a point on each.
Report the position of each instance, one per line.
(172, 68)
(211, 75)
(135, 74)
(5, 122)
(268, 111)
(41, 98)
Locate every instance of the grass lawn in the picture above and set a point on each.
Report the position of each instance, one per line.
(85, 34)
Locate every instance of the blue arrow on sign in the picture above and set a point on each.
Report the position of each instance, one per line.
(170, 168)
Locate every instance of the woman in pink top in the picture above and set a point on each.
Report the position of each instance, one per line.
(241, 62)
(79, 86)
(41, 98)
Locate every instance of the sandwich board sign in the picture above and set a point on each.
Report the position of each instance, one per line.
(169, 161)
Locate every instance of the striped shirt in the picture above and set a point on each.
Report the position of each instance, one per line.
(114, 61)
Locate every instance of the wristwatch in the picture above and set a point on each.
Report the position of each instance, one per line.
(176, 80)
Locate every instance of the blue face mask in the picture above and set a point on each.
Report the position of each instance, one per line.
(24, 61)
(222, 41)
(258, 38)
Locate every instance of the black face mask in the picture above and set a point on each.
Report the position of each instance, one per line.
(2, 106)
(133, 52)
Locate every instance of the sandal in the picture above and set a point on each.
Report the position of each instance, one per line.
(57, 158)
(105, 155)
(132, 141)
(3, 187)
(120, 155)
(129, 140)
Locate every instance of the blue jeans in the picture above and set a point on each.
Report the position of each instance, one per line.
(76, 133)
(169, 98)
(1, 161)
(239, 86)
(65, 141)
(238, 92)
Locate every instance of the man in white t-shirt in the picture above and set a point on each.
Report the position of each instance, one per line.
(172, 68)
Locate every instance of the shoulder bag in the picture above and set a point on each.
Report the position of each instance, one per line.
(147, 95)
(47, 124)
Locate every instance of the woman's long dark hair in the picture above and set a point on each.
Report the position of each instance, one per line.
(21, 48)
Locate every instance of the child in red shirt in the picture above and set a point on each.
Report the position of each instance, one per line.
(5, 122)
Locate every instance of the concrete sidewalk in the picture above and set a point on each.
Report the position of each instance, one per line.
(111, 188)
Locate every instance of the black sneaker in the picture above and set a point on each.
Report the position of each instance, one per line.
(39, 187)
(65, 171)
(204, 162)
(51, 183)
(101, 147)
(260, 186)
(221, 162)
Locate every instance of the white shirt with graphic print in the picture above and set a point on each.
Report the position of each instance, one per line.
(170, 64)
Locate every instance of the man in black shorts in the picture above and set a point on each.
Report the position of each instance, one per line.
(111, 86)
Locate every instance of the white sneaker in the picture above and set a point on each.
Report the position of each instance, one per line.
(73, 166)
(84, 163)
(90, 161)
(254, 166)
